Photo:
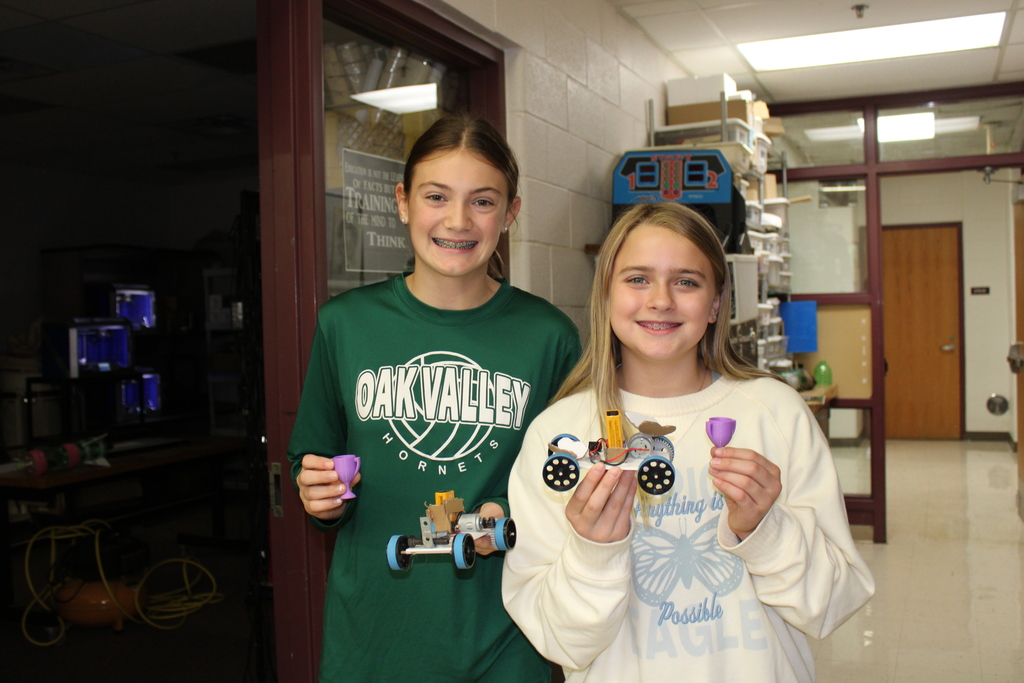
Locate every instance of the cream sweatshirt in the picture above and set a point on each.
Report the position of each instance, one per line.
(681, 598)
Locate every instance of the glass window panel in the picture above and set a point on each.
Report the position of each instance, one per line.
(822, 139)
(828, 236)
(844, 342)
(849, 437)
(365, 147)
(970, 128)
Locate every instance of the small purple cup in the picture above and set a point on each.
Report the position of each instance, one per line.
(346, 466)
(720, 430)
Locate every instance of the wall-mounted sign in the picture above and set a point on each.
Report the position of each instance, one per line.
(363, 217)
(979, 290)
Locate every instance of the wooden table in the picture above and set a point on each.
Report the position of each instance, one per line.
(146, 465)
(818, 400)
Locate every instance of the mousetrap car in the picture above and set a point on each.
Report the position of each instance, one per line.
(648, 452)
(448, 528)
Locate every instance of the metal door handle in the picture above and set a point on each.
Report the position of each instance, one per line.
(948, 347)
(1014, 358)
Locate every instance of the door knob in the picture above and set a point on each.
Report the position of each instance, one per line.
(1014, 357)
(948, 347)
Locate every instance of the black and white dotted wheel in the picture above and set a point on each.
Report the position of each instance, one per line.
(561, 472)
(656, 475)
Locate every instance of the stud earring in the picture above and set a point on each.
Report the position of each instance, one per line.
(404, 220)
(505, 229)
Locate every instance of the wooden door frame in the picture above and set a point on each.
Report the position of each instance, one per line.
(959, 227)
(294, 263)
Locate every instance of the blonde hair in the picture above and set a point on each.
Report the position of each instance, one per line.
(597, 367)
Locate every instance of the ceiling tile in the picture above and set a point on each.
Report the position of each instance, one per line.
(62, 48)
(1013, 58)
(11, 19)
(647, 9)
(680, 30)
(1017, 27)
(174, 25)
(59, 9)
(881, 77)
(230, 97)
(712, 60)
(115, 82)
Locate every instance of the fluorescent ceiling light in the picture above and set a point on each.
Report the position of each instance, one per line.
(842, 188)
(906, 127)
(896, 131)
(403, 100)
(960, 124)
(834, 134)
(882, 42)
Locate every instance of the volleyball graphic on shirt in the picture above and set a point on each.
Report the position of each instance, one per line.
(441, 405)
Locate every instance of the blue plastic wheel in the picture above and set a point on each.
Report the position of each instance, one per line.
(656, 475)
(397, 559)
(463, 551)
(504, 533)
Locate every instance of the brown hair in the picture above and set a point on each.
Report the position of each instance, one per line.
(602, 355)
(462, 131)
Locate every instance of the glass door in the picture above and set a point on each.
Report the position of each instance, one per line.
(379, 96)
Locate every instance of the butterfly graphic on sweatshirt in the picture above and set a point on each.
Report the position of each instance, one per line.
(660, 561)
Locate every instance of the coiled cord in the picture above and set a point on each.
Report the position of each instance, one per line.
(171, 606)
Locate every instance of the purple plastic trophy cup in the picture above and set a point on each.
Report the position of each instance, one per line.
(720, 430)
(346, 466)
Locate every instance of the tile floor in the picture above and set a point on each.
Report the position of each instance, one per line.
(949, 602)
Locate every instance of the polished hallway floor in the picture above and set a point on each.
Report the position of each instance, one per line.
(949, 602)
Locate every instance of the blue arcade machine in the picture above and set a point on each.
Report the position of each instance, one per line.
(699, 178)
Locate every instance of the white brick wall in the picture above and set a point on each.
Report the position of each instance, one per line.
(578, 76)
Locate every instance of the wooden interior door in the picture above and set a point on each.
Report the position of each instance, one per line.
(922, 303)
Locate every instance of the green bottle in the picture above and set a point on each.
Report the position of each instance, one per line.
(823, 374)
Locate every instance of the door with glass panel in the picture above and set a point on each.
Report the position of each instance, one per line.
(379, 97)
(330, 155)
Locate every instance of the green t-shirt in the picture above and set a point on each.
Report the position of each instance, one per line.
(430, 400)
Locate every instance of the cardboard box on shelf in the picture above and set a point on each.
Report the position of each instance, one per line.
(710, 111)
(773, 126)
(680, 91)
(771, 189)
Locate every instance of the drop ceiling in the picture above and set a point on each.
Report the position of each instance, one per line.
(165, 90)
(703, 34)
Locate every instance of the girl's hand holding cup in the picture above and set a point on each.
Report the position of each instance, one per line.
(320, 489)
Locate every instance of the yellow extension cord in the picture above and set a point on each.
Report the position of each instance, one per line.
(173, 605)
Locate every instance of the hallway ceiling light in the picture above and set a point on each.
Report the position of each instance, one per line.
(403, 100)
(882, 42)
(959, 124)
(905, 127)
(842, 188)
